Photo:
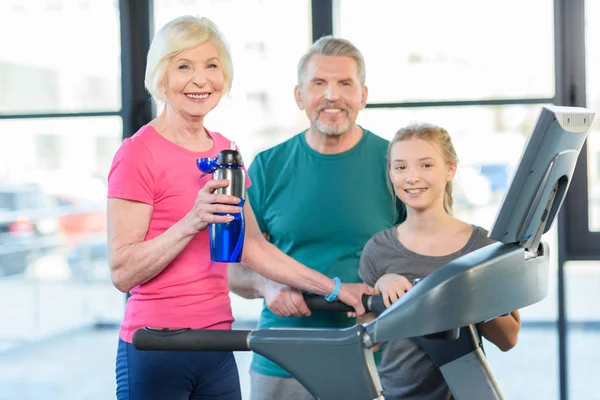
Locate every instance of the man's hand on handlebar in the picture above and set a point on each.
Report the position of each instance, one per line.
(351, 294)
(285, 301)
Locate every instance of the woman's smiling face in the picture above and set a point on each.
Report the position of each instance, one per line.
(194, 80)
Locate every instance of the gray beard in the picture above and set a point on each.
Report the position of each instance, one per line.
(328, 130)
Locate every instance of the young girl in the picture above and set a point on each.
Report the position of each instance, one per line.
(421, 165)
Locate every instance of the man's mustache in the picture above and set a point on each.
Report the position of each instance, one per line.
(326, 105)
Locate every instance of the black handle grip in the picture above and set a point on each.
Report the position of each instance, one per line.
(376, 304)
(371, 303)
(191, 339)
(318, 303)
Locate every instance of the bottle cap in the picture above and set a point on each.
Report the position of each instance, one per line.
(231, 158)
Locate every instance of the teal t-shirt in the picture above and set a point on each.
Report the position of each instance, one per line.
(321, 209)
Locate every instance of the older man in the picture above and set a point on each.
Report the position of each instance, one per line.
(319, 197)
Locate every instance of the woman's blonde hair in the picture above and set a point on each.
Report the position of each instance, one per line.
(436, 135)
(180, 34)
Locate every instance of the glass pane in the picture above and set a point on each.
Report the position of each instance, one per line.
(530, 370)
(592, 59)
(464, 49)
(489, 141)
(265, 64)
(59, 56)
(582, 280)
(54, 274)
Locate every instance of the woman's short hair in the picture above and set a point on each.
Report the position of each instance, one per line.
(183, 33)
(335, 47)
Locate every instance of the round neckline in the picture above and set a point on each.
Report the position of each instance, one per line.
(450, 256)
(365, 134)
(183, 149)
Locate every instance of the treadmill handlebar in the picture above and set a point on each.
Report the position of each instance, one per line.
(186, 339)
(191, 339)
(318, 303)
(372, 304)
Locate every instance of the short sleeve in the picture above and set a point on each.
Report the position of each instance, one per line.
(248, 181)
(131, 175)
(255, 192)
(366, 270)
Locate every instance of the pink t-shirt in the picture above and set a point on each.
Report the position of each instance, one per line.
(192, 291)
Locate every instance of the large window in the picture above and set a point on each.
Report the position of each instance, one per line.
(53, 224)
(60, 99)
(452, 50)
(59, 56)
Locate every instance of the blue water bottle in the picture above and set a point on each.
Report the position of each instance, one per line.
(227, 239)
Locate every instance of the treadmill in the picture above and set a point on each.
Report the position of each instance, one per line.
(440, 312)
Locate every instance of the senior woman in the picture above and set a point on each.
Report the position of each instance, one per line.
(158, 210)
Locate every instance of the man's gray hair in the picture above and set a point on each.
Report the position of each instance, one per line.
(336, 47)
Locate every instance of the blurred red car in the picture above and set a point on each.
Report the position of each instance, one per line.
(80, 220)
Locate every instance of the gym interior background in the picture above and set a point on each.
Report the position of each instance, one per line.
(71, 88)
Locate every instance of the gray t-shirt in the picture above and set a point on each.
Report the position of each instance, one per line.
(406, 371)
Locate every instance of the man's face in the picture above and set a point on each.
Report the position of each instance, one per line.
(331, 93)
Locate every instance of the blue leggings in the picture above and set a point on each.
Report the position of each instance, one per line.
(176, 375)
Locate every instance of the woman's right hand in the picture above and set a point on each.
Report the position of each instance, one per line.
(208, 203)
(392, 287)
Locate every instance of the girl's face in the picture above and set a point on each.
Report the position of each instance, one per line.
(419, 173)
(194, 80)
